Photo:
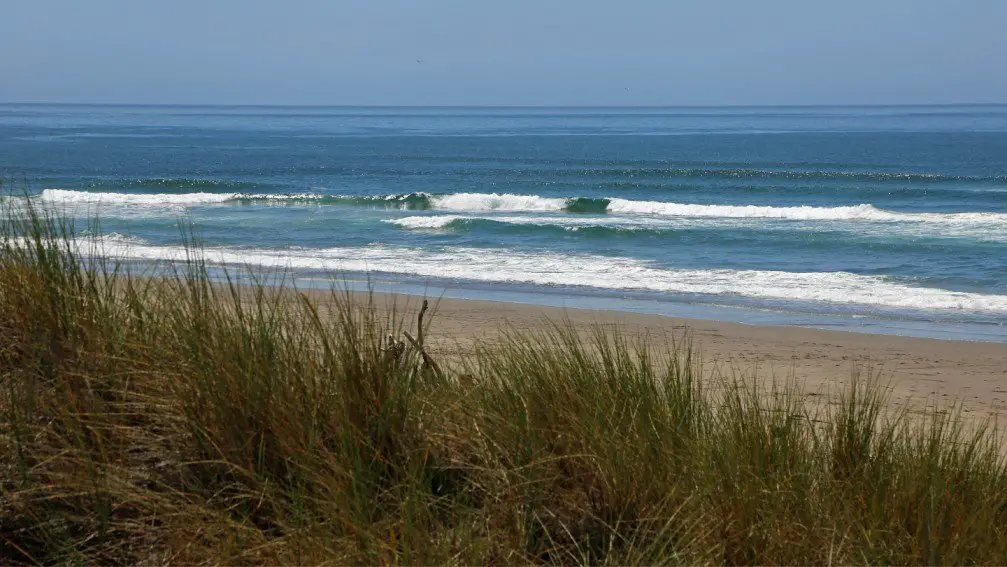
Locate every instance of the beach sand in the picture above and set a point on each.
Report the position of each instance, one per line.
(919, 371)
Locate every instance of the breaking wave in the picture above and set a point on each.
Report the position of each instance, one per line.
(551, 269)
(483, 202)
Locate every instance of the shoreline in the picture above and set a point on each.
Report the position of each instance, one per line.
(965, 331)
(917, 369)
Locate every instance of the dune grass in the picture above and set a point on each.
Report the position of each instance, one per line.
(182, 419)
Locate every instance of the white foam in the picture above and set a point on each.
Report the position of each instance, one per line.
(569, 222)
(474, 202)
(490, 265)
(572, 223)
(427, 222)
(115, 238)
(863, 212)
(279, 197)
(88, 197)
(68, 196)
(495, 202)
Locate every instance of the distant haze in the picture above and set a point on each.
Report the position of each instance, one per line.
(514, 52)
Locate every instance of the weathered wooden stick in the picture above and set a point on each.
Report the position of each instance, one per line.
(419, 323)
(427, 359)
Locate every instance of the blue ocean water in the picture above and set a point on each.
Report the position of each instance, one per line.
(877, 219)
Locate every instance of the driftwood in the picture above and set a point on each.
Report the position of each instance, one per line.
(399, 352)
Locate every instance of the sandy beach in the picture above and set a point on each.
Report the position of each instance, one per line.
(918, 370)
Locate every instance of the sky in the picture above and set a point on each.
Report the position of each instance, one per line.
(504, 52)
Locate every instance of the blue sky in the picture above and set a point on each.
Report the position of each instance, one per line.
(512, 52)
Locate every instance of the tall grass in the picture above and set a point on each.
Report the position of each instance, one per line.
(182, 419)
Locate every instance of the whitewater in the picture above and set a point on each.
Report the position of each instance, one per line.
(615, 273)
(473, 202)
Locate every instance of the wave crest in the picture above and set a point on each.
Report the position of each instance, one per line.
(493, 202)
(509, 266)
(428, 222)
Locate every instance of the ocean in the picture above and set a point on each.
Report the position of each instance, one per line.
(871, 219)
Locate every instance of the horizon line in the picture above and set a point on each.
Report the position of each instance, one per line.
(497, 106)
